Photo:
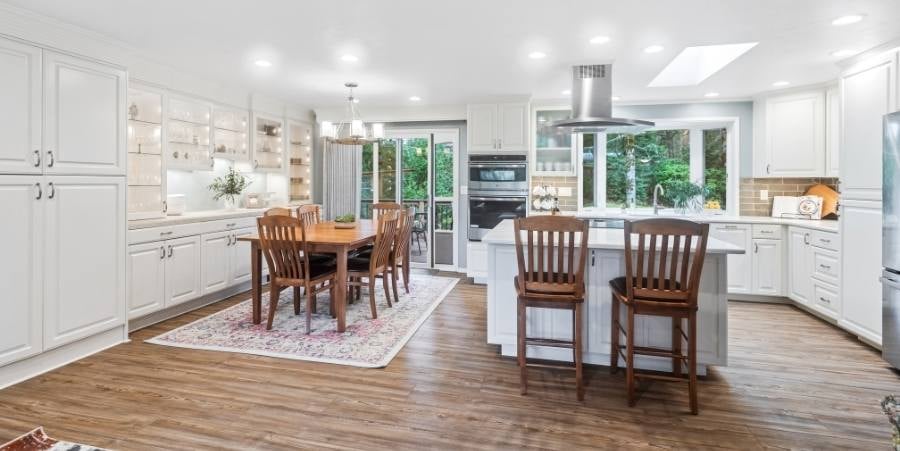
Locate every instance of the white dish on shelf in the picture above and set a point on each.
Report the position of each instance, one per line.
(175, 204)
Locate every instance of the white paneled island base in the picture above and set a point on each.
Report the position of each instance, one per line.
(606, 261)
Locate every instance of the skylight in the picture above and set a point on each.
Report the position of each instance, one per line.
(695, 64)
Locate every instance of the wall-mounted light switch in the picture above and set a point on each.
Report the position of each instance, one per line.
(763, 194)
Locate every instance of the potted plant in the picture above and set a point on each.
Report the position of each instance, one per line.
(686, 197)
(229, 186)
(347, 221)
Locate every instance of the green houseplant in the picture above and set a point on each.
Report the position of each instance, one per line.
(686, 197)
(229, 186)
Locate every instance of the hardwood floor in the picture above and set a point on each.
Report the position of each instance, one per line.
(792, 382)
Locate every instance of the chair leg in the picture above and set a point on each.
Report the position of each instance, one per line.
(331, 298)
(579, 381)
(692, 361)
(676, 346)
(372, 297)
(394, 276)
(310, 306)
(386, 282)
(297, 297)
(614, 340)
(521, 351)
(629, 356)
(406, 274)
(274, 291)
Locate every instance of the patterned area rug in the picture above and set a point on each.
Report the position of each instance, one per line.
(365, 343)
(37, 440)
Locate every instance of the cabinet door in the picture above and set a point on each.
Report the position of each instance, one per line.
(240, 256)
(767, 265)
(182, 270)
(20, 110)
(739, 270)
(482, 125)
(861, 268)
(799, 265)
(867, 94)
(84, 114)
(20, 268)
(795, 135)
(216, 253)
(84, 257)
(513, 131)
(833, 132)
(146, 278)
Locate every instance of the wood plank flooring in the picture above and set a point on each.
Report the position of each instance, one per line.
(792, 382)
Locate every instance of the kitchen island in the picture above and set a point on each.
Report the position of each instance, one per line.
(605, 262)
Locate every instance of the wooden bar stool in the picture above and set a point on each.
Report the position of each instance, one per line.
(551, 276)
(666, 284)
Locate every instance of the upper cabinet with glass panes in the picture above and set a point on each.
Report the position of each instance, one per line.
(189, 135)
(145, 182)
(268, 143)
(553, 150)
(230, 137)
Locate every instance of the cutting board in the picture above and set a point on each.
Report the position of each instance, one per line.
(829, 199)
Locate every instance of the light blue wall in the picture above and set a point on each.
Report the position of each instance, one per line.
(742, 110)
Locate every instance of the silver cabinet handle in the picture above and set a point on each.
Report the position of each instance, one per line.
(805, 238)
(730, 227)
(823, 240)
(162, 252)
(52, 160)
(37, 158)
(165, 206)
(768, 169)
(165, 233)
(212, 162)
(769, 232)
(755, 248)
(499, 143)
(230, 224)
(40, 192)
(826, 267)
(171, 251)
(255, 164)
(230, 240)
(593, 258)
(52, 191)
(827, 301)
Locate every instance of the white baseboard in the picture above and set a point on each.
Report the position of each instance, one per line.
(758, 298)
(180, 309)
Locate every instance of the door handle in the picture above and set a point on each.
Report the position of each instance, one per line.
(37, 158)
(52, 191)
(40, 192)
(162, 252)
(171, 251)
(52, 160)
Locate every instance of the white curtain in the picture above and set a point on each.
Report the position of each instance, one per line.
(340, 184)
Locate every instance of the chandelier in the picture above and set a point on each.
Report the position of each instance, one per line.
(352, 130)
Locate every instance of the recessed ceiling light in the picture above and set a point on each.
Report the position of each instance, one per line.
(263, 63)
(349, 58)
(615, 98)
(355, 100)
(415, 98)
(599, 40)
(653, 49)
(566, 92)
(847, 20)
(537, 55)
(695, 64)
(780, 83)
(711, 94)
(842, 53)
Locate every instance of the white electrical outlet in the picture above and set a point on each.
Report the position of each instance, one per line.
(763, 194)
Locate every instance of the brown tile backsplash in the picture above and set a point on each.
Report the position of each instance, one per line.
(751, 205)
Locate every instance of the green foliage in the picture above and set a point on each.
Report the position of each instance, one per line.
(232, 184)
(349, 217)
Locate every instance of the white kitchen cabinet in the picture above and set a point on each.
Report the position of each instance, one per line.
(268, 143)
(553, 151)
(740, 272)
(868, 92)
(825, 299)
(833, 131)
(84, 252)
(146, 278)
(183, 266)
(241, 270)
(84, 117)
(498, 127)
(792, 139)
(21, 266)
(799, 274)
(20, 109)
(476, 261)
(861, 268)
(767, 267)
(216, 252)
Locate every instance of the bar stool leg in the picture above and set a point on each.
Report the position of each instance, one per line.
(692, 360)
(520, 353)
(614, 348)
(579, 383)
(629, 356)
(676, 347)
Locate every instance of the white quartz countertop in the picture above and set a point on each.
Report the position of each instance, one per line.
(191, 217)
(825, 225)
(600, 239)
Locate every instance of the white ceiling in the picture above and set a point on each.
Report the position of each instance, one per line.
(458, 51)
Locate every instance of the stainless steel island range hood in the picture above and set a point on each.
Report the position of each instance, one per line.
(592, 103)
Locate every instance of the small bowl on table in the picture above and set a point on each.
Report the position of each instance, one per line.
(345, 225)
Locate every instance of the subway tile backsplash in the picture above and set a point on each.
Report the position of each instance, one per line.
(751, 205)
(566, 203)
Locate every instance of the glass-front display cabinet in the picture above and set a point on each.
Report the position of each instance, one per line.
(553, 150)
(230, 137)
(300, 144)
(188, 135)
(268, 143)
(145, 180)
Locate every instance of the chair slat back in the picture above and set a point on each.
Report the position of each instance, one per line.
(309, 214)
(674, 250)
(284, 250)
(384, 240)
(552, 260)
(381, 208)
(404, 231)
(277, 211)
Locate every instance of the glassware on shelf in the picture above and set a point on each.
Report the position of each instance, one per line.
(145, 148)
(230, 135)
(300, 135)
(553, 147)
(189, 135)
(269, 144)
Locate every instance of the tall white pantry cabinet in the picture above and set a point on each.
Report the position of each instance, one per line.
(62, 191)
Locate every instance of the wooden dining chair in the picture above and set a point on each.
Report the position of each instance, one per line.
(380, 208)
(377, 263)
(551, 263)
(400, 255)
(664, 281)
(309, 214)
(282, 240)
(277, 211)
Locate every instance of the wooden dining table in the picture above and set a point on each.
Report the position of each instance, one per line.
(321, 238)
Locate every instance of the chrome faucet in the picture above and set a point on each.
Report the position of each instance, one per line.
(658, 189)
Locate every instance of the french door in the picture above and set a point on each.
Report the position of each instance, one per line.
(418, 169)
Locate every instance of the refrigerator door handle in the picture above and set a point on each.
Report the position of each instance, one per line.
(893, 283)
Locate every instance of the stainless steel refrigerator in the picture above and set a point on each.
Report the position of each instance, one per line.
(890, 255)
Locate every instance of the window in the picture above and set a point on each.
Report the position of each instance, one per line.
(622, 169)
(366, 190)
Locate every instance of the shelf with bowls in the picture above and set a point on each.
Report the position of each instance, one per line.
(145, 154)
(553, 151)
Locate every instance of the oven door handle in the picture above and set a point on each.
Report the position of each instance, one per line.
(514, 199)
(497, 165)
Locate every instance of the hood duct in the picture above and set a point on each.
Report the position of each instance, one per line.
(592, 103)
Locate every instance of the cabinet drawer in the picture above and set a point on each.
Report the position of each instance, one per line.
(826, 240)
(826, 265)
(826, 299)
(771, 231)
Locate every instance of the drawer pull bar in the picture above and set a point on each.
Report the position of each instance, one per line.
(824, 266)
(827, 301)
